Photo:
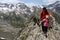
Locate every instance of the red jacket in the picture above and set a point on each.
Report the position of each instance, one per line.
(43, 15)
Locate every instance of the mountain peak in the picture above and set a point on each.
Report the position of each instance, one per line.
(57, 2)
(55, 6)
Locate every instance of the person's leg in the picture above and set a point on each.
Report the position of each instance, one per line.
(45, 31)
(34, 23)
(42, 27)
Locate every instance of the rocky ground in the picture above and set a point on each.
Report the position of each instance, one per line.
(31, 32)
(34, 32)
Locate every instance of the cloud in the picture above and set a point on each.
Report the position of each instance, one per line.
(31, 4)
(10, 1)
(49, 1)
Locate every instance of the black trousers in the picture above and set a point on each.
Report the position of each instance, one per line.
(44, 28)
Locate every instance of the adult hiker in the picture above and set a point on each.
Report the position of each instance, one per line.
(45, 20)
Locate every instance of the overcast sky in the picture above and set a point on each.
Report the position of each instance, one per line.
(30, 2)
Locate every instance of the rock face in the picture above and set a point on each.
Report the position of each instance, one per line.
(35, 33)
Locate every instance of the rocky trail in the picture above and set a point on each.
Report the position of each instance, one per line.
(31, 32)
(34, 32)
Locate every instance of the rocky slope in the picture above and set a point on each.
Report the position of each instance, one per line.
(30, 32)
(19, 8)
(35, 33)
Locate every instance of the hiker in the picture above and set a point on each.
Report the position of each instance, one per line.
(36, 20)
(45, 20)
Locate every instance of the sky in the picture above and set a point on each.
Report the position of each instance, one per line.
(30, 2)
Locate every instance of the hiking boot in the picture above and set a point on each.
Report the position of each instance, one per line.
(46, 35)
